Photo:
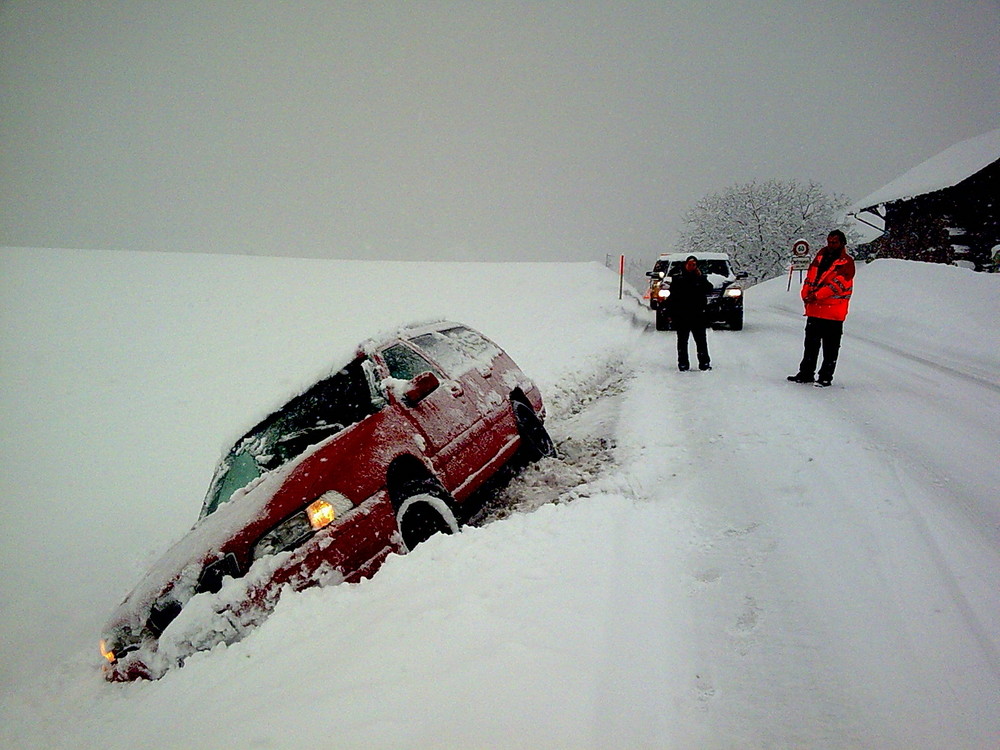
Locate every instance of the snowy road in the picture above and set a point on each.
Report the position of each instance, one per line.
(838, 538)
(830, 558)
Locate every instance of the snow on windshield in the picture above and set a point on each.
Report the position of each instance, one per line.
(458, 349)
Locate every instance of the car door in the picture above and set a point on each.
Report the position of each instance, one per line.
(474, 359)
(469, 358)
(444, 419)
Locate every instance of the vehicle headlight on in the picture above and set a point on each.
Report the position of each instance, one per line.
(663, 293)
(733, 293)
(295, 529)
(113, 647)
(320, 514)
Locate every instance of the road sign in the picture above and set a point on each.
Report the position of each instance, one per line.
(800, 260)
(800, 256)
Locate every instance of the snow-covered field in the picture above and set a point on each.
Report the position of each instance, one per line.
(720, 560)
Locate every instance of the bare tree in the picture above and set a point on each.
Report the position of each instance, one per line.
(757, 222)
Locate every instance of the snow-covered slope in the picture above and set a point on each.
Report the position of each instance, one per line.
(721, 559)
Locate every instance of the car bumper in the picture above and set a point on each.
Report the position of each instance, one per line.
(720, 309)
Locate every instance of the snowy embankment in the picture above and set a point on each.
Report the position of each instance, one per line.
(721, 559)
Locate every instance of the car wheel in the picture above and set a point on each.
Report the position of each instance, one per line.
(736, 322)
(535, 440)
(422, 516)
(662, 320)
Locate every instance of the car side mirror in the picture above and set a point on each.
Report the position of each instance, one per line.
(743, 275)
(422, 386)
(652, 274)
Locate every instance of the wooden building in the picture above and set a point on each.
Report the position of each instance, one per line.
(946, 210)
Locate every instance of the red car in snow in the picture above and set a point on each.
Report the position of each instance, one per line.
(372, 459)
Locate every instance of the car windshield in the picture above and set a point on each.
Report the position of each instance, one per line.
(719, 267)
(328, 407)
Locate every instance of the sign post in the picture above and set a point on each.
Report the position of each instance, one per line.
(800, 260)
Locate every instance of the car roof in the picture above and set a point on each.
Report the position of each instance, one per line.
(699, 256)
(408, 331)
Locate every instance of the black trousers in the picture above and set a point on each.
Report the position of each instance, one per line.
(695, 329)
(825, 335)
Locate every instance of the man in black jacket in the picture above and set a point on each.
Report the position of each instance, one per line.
(689, 292)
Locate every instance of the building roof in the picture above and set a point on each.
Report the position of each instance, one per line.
(950, 167)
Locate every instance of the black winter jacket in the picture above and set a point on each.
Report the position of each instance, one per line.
(689, 296)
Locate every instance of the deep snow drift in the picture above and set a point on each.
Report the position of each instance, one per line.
(720, 560)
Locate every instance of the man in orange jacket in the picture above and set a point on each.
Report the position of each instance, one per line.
(827, 296)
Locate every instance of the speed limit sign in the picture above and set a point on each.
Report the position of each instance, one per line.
(800, 255)
(800, 260)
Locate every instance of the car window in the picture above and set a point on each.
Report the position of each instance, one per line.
(241, 469)
(329, 406)
(458, 349)
(405, 364)
(719, 267)
(473, 345)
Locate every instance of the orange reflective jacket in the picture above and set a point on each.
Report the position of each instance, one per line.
(828, 295)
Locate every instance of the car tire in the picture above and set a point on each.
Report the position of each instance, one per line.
(736, 322)
(535, 440)
(422, 516)
(662, 320)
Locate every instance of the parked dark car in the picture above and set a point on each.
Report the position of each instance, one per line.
(725, 302)
(373, 459)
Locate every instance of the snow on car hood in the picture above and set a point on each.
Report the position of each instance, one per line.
(180, 567)
(718, 280)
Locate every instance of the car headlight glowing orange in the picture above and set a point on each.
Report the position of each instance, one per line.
(321, 514)
(107, 653)
(297, 528)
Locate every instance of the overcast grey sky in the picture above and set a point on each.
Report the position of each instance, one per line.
(462, 130)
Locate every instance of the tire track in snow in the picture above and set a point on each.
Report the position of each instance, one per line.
(973, 378)
(946, 572)
(582, 411)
